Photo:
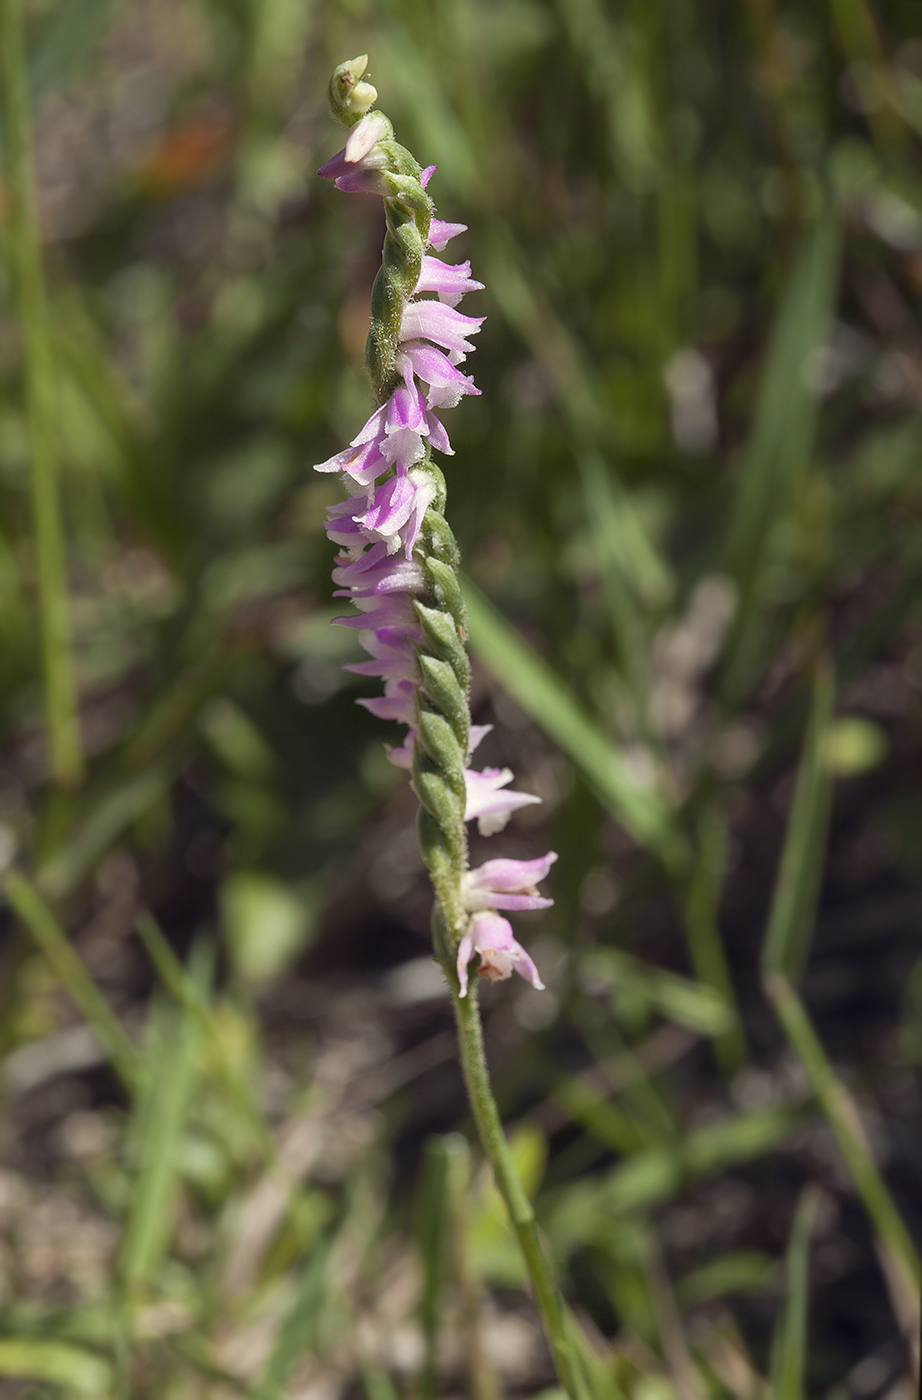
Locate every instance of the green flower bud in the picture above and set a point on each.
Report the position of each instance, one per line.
(350, 98)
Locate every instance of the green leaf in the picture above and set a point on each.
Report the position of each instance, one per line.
(784, 426)
(797, 885)
(167, 1078)
(59, 953)
(575, 1215)
(56, 1363)
(299, 1331)
(99, 828)
(742, 1271)
(691, 1004)
(266, 923)
(236, 740)
(854, 746)
(789, 1347)
(446, 1174)
(633, 799)
(705, 947)
(786, 409)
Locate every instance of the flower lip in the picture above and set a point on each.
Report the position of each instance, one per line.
(490, 935)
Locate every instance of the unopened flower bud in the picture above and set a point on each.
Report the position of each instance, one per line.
(350, 98)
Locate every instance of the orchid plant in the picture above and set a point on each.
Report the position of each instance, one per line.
(398, 566)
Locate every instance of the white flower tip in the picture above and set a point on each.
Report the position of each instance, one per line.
(365, 95)
(492, 822)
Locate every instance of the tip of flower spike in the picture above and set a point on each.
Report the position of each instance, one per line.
(350, 98)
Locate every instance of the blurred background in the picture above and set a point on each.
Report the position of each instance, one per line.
(234, 1144)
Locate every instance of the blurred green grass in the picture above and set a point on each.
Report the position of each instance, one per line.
(687, 498)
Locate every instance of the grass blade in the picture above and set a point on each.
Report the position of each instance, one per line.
(61, 706)
(784, 427)
(785, 948)
(58, 951)
(160, 1114)
(300, 1328)
(433, 1236)
(701, 905)
(635, 802)
(797, 886)
(607, 529)
(903, 1275)
(789, 1349)
(58, 1363)
(188, 996)
(100, 827)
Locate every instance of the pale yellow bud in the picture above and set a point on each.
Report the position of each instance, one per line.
(350, 97)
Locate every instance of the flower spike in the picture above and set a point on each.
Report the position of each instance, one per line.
(398, 559)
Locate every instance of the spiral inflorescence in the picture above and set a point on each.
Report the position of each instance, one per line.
(399, 560)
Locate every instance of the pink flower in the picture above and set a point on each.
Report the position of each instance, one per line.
(507, 884)
(361, 462)
(358, 167)
(487, 803)
(450, 281)
(395, 610)
(433, 320)
(398, 702)
(402, 756)
(393, 653)
(441, 233)
(394, 515)
(491, 936)
(376, 573)
(447, 385)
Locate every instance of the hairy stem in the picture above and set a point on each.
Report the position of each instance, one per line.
(521, 1212)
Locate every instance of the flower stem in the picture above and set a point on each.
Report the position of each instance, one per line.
(521, 1211)
(57, 663)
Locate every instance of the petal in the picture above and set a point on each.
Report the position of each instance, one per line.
(393, 610)
(449, 281)
(513, 876)
(476, 734)
(373, 429)
(402, 757)
(447, 384)
(373, 127)
(362, 181)
(334, 167)
(438, 437)
(398, 702)
(487, 803)
(433, 320)
(441, 233)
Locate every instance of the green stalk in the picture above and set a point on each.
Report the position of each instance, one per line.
(61, 715)
(521, 1211)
